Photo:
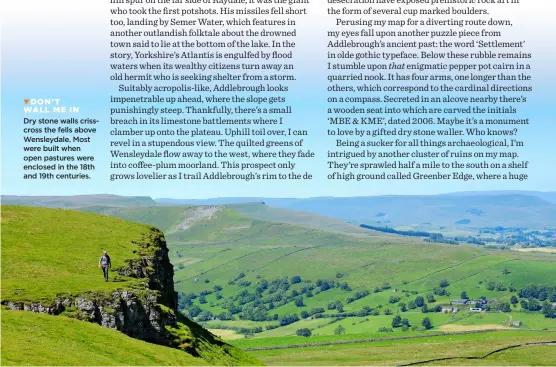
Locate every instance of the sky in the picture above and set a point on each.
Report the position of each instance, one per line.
(60, 49)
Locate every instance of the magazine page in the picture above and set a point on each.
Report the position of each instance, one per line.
(278, 182)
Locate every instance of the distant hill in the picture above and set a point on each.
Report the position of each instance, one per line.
(535, 210)
(522, 209)
(174, 219)
(547, 196)
(78, 201)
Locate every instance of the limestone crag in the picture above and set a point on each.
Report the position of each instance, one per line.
(141, 312)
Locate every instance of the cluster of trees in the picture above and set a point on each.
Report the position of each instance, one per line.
(397, 322)
(472, 240)
(311, 312)
(336, 305)
(537, 297)
(384, 287)
(519, 236)
(533, 304)
(303, 332)
(288, 319)
(394, 299)
(496, 285)
(426, 309)
(405, 324)
(439, 238)
(540, 292)
(500, 306)
(357, 296)
(394, 231)
(429, 236)
(255, 305)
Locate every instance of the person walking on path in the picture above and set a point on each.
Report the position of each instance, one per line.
(105, 263)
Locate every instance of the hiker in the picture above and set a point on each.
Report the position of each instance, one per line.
(106, 264)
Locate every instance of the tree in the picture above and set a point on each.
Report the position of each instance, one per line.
(396, 321)
(299, 302)
(430, 298)
(503, 307)
(411, 305)
(288, 319)
(303, 332)
(548, 310)
(444, 283)
(340, 330)
(514, 300)
(425, 308)
(403, 307)
(405, 322)
(194, 311)
(225, 316)
(304, 314)
(394, 299)
(419, 301)
(464, 295)
(296, 279)
(426, 323)
(204, 316)
(202, 299)
(534, 305)
(387, 311)
(339, 306)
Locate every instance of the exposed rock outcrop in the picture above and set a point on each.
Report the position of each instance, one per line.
(141, 312)
(145, 308)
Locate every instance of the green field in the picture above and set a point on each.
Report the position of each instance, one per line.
(529, 355)
(46, 252)
(31, 339)
(399, 352)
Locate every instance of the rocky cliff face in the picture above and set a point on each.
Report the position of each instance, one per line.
(142, 312)
(146, 309)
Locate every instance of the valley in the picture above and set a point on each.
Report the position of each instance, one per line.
(296, 287)
(284, 291)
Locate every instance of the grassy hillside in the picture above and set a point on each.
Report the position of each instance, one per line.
(30, 339)
(78, 201)
(171, 218)
(311, 220)
(51, 253)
